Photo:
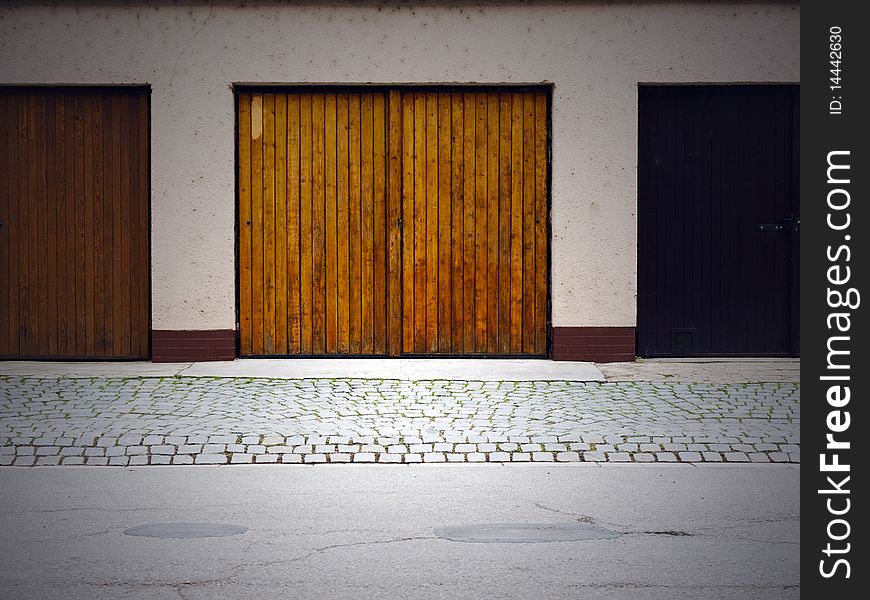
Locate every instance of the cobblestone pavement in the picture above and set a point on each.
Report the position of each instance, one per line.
(187, 420)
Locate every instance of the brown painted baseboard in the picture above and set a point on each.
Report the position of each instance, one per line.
(597, 344)
(188, 346)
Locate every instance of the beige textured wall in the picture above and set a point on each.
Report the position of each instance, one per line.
(594, 54)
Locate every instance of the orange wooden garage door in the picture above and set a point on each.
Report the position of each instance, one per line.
(396, 222)
(74, 212)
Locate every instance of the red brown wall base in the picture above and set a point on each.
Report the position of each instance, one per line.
(596, 344)
(190, 346)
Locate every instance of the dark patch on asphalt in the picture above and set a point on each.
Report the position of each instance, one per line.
(180, 531)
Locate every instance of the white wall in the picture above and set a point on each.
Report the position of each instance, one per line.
(594, 54)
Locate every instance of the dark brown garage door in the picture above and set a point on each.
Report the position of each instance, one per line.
(398, 221)
(74, 212)
(718, 221)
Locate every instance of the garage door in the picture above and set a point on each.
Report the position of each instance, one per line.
(74, 223)
(402, 221)
(718, 221)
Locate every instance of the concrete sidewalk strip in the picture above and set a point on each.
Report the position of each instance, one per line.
(416, 369)
(209, 420)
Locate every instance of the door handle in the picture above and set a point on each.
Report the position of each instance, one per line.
(786, 225)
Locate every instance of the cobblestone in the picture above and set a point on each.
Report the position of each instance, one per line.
(130, 421)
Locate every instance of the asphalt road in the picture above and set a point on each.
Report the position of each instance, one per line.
(382, 531)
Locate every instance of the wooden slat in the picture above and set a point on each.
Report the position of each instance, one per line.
(293, 236)
(306, 227)
(468, 203)
(33, 329)
(420, 247)
(13, 233)
(141, 320)
(5, 214)
(245, 224)
(359, 261)
(481, 260)
(51, 234)
(504, 224)
(516, 330)
(269, 233)
(431, 209)
(528, 339)
(378, 232)
(331, 284)
(69, 217)
(541, 220)
(492, 208)
(318, 235)
(369, 327)
(409, 263)
(257, 231)
(25, 244)
(393, 323)
(457, 218)
(445, 316)
(343, 278)
(281, 235)
(114, 141)
(109, 210)
(97, 240)
(126, 224)
(41, 232)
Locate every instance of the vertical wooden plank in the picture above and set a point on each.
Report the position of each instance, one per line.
(368, 241)
(445, 316)
(13, 232)
(409, 264)
(31, 227)
(379, 145)
(6, 211)
(504, 223)
(87, 234)
(394, 213)
(360, 319)
(118, 274)
(294, 241)
(108, 227)
(481, 262)
(420, 312)
(330, 173)
(516, 222)
(306, 225)
(135, 232)
(342, 220)
(281, 234)
(70, 221)
(98, 239)
(492, 208)
(245, 226)
(50, 225)
(257, 232)
(468, 247)
(268, 223)
(126, 224)
(541, 218)
(318, 192)
(41, 249)
(431, 205)
(457, 218)
(23, 229)
(528, 329)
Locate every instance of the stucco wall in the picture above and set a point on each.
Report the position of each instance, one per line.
(594, 54)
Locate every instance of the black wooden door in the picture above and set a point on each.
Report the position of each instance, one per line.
(718, 221)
